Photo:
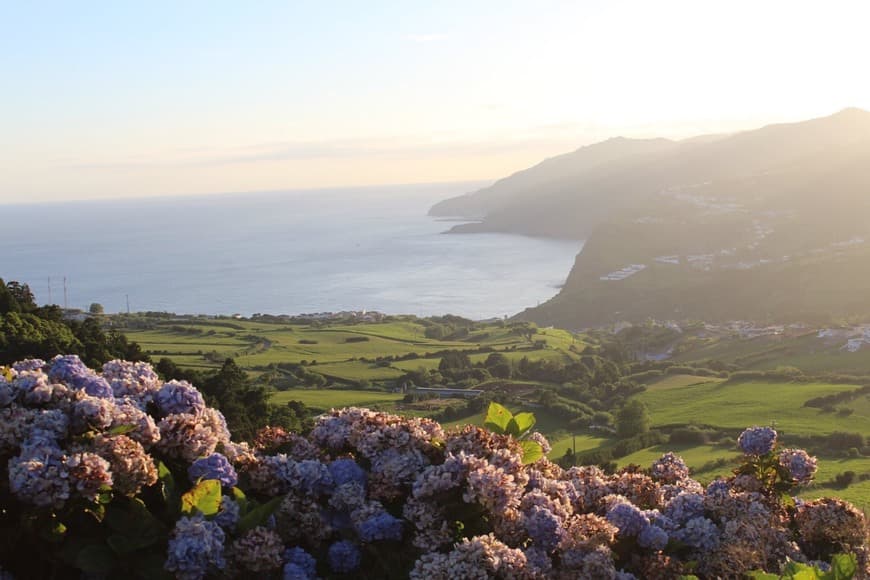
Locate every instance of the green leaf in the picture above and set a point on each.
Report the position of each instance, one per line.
(96, 559)
(844, 566)
(241, 499)
(532, 451)
(524, 421)
(759, 575)
(121, 429)
(258, 515)
(497, 418)
(167, 482)
(134, 527)
(204, 497)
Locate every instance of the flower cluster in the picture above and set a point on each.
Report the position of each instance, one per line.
(378, 495)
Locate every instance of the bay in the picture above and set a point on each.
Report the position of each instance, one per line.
(370, 248)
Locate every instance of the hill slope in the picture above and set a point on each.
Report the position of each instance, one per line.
(771, 224)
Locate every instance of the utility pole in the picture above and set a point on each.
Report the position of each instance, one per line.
(128, 303)
(65, 303)
(49, 290)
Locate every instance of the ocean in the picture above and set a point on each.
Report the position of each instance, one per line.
(277, 253)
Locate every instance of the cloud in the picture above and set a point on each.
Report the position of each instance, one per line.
(422, 38)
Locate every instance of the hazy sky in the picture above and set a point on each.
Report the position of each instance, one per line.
(116, 98)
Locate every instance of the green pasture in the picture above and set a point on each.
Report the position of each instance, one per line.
(744, 404)
(336, 398)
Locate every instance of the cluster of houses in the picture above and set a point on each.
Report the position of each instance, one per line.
(623, 273)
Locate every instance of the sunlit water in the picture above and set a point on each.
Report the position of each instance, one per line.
(277, 253)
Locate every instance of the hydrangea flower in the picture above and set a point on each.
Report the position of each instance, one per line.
(90, 473)
(71, 371)
(670, 468)
(799, 463)
(195, 548)
(228, 516)
(382, 526)
(627, 517)
(653, 537)
(259, 550)
(179, 397)
(344, 557)
(347, 471)
(685, 507)
(40, 476)
(699, 533)
(301, 560)
(757, 440)
(544, 527)
(215, 466)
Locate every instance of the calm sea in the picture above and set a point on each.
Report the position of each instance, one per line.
(277, 253)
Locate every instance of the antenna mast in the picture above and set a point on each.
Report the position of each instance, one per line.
(49, 291)
(65, 304)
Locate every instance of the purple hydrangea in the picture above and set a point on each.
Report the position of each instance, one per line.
(344, 557)
(228, 516)
(30, 364)
(685, 507)
(628, 518)
(40, 476)
(215, 466)
(699, 533)
(670, 468)
(195, 548)
(381, 526)
(799, 463)
(544, 527)
(179, 397)
(757, 440)
(653, 537)
(301, 560)
(71, 371)
(347, 471)
(718, 487)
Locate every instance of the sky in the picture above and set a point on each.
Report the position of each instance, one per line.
(131, 99)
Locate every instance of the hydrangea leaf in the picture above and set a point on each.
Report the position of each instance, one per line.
(757, 575)
(258, 515)
(96, 559)
(524, 422)
(843, 567)
(121, 429)
(532, 451)
(497, 418)
(204, 497)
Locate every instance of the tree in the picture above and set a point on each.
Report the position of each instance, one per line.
(633, 419)
(96, 309)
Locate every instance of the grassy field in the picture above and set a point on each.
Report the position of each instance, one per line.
(337, 349)
(336, 398)
(737, 405)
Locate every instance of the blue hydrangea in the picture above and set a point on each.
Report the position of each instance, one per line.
(30, 364)
(685, 507)
(311, 477)
(344, 557)
(799, 463)
(215, 466)
(7, 394)
(718, 487)
(653, 537)
(628, 518)
(195, 548)
(381, 526)
(757, 440)
(699, 533)
(71, 371)
(179, 397)
(544, 527)
(347, 471)
(228, 516)
(300, 560)
(294, 572)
